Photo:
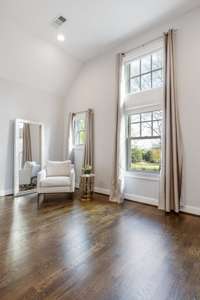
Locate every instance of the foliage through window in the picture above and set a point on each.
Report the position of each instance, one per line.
(144, 141)
(80, 129)
(145, 73)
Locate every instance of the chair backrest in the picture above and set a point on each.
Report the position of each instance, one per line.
(29, 164)
(58, 168)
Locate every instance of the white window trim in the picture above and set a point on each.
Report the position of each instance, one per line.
(154, 104)
(79, 147)
(153, 176)
(143, 108)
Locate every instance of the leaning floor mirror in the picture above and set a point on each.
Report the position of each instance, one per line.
(28, 155)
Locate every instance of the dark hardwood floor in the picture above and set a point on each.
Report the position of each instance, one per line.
(96, 250)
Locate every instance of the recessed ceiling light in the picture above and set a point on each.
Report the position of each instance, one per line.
(60, 37)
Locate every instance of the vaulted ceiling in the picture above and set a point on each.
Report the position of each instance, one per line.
(92, 25)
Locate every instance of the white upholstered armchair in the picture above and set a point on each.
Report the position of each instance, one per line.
(57, 177)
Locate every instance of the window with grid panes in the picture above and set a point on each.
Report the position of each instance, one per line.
(144, 73)
(144, 141)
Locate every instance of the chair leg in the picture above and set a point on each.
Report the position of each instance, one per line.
(71, 195)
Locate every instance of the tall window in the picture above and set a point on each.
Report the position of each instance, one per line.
(145, 73)
(80, 129)
(144, 141)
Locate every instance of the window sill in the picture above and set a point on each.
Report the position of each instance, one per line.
(143, 176)
(145, 92)
(78, 147)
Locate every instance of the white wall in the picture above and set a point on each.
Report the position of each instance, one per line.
(34, 77)
(95, 87)
(26, 59)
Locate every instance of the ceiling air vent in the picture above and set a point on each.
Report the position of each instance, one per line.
(59, 21)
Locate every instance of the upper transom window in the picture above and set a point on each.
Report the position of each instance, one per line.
(145, 73)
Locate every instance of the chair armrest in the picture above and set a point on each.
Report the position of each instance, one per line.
(40, 176)
(72, 177)
(35, 170)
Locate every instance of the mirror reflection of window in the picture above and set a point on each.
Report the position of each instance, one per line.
(20, 145)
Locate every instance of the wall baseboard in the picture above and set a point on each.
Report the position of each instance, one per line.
(102, 191)
(6, 192)
(141, 199)
(147, 200)
(98, 190)
(191, 210)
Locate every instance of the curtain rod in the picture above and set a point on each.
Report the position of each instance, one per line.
(146, 43)
(83, 111)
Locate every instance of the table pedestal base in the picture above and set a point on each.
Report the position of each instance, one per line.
(86, 187)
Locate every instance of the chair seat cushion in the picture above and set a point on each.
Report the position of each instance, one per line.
(55, 181)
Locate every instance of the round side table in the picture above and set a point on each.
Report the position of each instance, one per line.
(86, 186)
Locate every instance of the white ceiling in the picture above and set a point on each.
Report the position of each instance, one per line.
(93, 26)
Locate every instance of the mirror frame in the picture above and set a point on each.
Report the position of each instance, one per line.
(16, 162)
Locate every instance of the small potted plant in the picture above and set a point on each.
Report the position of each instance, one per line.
(87, 169)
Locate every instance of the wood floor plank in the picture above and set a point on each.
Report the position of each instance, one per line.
(96, 251)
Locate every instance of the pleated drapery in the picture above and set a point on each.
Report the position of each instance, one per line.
(172, 161)
(27, 152)
(119, 164)
(88, 159)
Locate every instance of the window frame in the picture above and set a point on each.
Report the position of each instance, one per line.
(77, 131)
(141, 110)
(128, 76)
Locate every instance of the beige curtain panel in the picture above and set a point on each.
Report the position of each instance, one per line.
(117, 188)
(27, 152)
(70, 137)
(172, 161)
(89, 142)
